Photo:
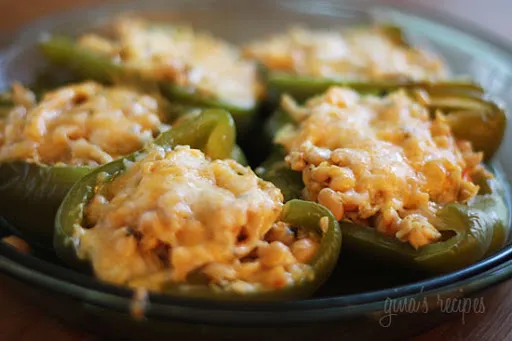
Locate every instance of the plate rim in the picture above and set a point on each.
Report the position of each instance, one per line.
(490, 271)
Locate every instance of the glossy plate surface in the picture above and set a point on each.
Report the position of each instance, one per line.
(358, 291)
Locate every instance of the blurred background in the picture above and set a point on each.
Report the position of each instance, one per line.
(492, 15)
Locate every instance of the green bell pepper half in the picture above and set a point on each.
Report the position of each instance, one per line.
(217, 142)
(64, 51)
(474, 231)
(302, 87)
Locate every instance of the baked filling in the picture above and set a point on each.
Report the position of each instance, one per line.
(80, 124)
(379, 161)
(181, 55)
(175, 217)
(353, 54)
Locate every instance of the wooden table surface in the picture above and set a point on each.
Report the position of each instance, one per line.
(20, 321)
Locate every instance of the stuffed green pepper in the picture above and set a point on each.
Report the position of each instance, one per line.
(180, 218)
(303, 62)
(47, 145)
(401, 176)
(188, 66)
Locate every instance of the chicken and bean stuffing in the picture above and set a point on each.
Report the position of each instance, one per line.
(176, 213)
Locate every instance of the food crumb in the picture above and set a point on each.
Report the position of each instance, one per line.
(139, 303)
(18, 243)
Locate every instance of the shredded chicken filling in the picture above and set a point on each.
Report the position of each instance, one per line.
(176, 217)
(380, 162)
(81, 124)
(181, 55)
(349, 54)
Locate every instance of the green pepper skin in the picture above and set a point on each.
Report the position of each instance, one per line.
(30, 195)
(275, 170)
(208, 132)
(63, 51)
(196, 116)
(472, 118)
(304, 87)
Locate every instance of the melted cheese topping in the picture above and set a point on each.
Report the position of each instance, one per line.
(350, 54)
(81, 124)
(180, 55)
(380, 162)
(176, 215)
